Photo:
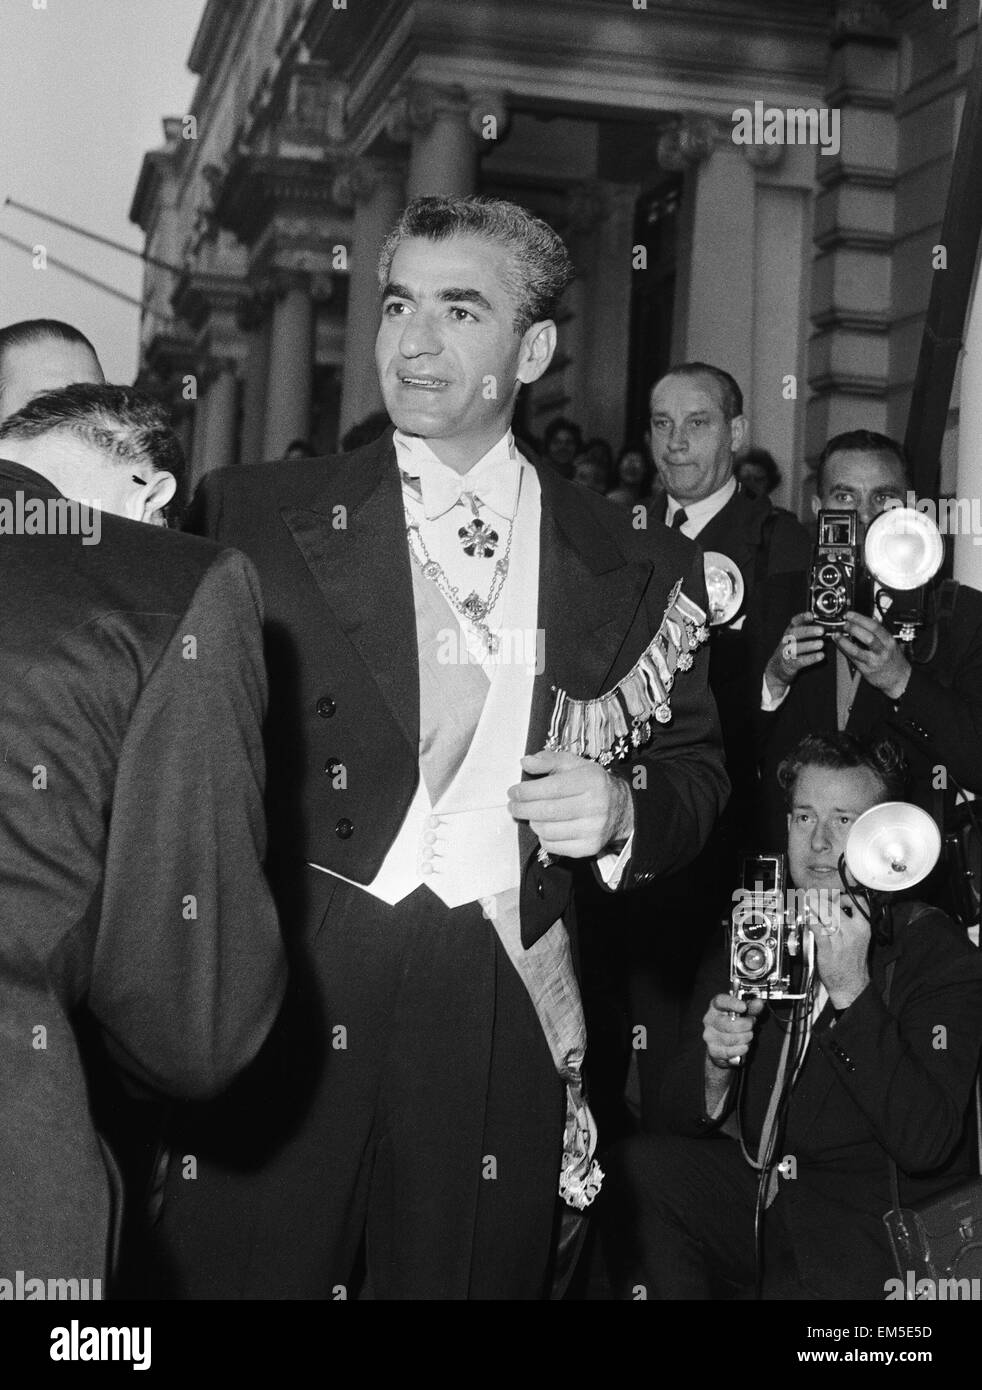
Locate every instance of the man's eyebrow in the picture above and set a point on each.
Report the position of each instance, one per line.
(394, 290)
(458, 296)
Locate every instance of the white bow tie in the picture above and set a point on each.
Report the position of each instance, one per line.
(493, 485)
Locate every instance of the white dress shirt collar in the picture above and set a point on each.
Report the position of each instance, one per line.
(493, 479)
(699, 514)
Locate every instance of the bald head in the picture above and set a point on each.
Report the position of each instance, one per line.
(40, 355)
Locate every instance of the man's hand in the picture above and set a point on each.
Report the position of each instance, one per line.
(576, 808)
(728, 1038)
(841, 950)
(801, 646)
(875, 653)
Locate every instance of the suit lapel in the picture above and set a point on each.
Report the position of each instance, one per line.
(363, 570)
(588, 596)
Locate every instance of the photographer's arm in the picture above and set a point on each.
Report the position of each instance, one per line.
(943, 708)
(909, 1065)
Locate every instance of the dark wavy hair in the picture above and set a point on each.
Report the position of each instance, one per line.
(839, 751)
(542, 265)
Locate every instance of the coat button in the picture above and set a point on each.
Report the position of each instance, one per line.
(540, 888)
(326, 707)
(344, 829)
(333, 766)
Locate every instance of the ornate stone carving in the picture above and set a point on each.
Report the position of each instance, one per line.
(764, 156)
(687, 143)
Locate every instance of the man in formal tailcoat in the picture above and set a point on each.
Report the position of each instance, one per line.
(442, 618)
(137, 932)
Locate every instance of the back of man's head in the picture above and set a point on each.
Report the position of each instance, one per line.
(42, 355)
(127, 429)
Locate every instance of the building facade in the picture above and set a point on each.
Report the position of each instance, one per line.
(802, 268)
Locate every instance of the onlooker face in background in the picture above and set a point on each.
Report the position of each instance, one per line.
(693, 438)
(590, 474)
(600, 451)
(563, 442)
(42, 355)
(757, 473)
(633, 476)
(861, 472)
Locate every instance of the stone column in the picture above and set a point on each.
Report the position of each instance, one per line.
(218, 449)
(254, 322)
(714, 301)
(291, 361)
(443, 156)
(375, 192)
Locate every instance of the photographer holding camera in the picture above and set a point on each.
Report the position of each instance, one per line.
(925, 695)
(886, 1071)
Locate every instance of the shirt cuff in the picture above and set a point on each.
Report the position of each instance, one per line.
(611, 866)
(769, 702)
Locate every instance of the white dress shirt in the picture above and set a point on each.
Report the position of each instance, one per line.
(699, 514)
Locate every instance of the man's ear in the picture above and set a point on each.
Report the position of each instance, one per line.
(160, 491)
(535, 353)
(738, 432)
(816, 504)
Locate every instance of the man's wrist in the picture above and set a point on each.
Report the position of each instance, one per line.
(775, 684)
(840, 999)
(896, 689)
(623, 815)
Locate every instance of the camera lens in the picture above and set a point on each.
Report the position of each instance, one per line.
(754, 961)
(830, 576)
(755, 926)
(828, 603)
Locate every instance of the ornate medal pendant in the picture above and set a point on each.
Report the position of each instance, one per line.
(478, 539)
(474, 607)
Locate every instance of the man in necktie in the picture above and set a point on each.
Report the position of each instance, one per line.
(443, 619)
(926, 694)
(697, 429)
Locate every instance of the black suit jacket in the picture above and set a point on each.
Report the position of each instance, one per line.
(328, 538)
(131, 841)
(889, 1079)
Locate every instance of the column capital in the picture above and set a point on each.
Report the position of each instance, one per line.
(764, 156)
(252, 309)
(417, 106)
(687, 142)
(213, 366)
